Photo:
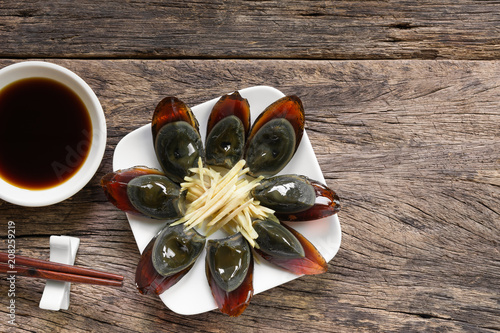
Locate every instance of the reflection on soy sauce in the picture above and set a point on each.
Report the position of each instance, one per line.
(45, 133)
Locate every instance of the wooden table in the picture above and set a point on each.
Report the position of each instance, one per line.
(402, 104)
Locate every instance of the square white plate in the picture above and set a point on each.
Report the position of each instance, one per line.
(192, 295)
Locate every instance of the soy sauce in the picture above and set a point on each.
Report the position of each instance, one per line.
(45, 133)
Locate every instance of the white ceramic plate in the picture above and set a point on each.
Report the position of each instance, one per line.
(191, 295)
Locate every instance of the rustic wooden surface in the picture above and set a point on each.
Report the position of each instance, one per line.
(363, 29)
(411, 146)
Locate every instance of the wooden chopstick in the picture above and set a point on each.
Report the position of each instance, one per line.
(49, 270)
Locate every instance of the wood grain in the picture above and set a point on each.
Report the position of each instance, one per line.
(411, 147)
(363, 29)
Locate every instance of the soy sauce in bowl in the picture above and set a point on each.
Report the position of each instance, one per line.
(45, 133)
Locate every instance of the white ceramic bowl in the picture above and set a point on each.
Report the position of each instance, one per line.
(37, 198)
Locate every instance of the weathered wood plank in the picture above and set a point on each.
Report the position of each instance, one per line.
(412, 147)
(394, 29)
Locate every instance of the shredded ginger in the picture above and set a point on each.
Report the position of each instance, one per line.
(218, 201)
